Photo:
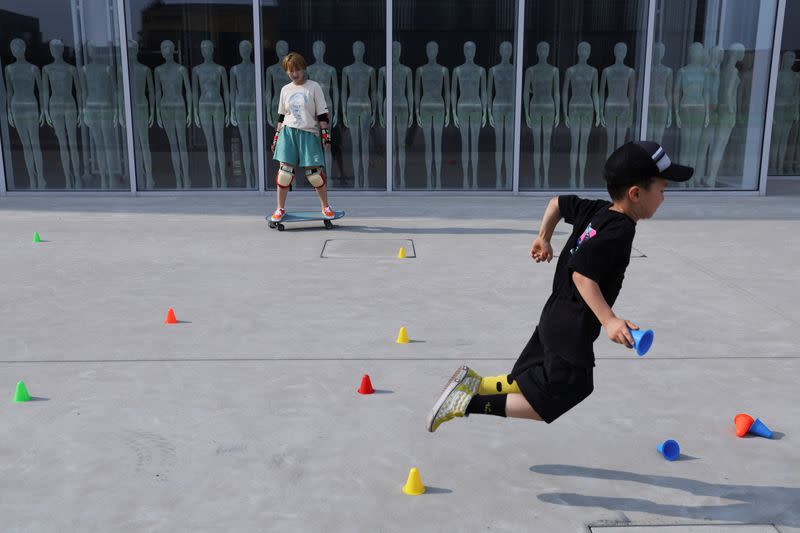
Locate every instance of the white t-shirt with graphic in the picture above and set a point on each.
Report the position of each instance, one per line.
(301, 104)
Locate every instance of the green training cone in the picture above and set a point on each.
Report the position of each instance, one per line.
(36, 237)
(21, 395)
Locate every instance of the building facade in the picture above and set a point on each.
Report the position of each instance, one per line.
(515, 96)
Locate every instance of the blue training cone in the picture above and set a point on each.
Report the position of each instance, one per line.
(642, 340)
(670, 449)
(760, 428)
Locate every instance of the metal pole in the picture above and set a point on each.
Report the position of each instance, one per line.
(389, 112)
(126, 91)
(258, 48)
(773, 83)
(518, 92)
(648, 68)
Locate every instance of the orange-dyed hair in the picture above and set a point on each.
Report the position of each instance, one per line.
(293, 61)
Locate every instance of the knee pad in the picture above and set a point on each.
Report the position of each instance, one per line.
(285, 175)
(315, 176)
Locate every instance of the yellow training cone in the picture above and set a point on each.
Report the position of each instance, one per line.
(414, 486)
(402, 336)
(401, 253)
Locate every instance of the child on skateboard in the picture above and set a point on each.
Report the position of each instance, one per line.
(300, 135)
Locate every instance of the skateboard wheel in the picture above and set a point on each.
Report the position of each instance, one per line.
(272, 225)
(280, 227)
(328, 224)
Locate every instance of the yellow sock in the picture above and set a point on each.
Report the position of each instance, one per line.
(502, 384)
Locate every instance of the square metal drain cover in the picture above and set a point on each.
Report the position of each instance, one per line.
(705, 528)
(367, 248)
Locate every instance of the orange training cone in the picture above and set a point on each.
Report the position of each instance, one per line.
(170, 317)
(366, 385)
(743, 422)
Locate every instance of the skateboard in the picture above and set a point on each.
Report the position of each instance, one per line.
(304, 216)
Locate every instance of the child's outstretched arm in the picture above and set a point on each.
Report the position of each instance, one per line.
(616, 328)
(541, 249)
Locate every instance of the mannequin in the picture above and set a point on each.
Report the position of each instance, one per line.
(24, 112)
(100, 110)
(402, 107)
(542, 100)
(501, 114)
(212, 112)
(144, 106)
(328, 80)
(691, 101)
(580, 110)
(358, 109)
(715, 56)
(659, 116)
(616, 111)
(174, 110)
(787, 112)
(276, 79)
(432, 80)
(61, 112)
(243, 108)
(729, 85)
(469, 108)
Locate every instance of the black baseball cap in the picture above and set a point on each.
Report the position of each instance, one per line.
(636, 160)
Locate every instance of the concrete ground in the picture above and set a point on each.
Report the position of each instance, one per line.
(245, 417)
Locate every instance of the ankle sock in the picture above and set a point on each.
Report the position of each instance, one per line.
(502, 384)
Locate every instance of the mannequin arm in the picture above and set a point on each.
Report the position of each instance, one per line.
(10, 96)
(45, 93)
(268, 100)
(565, 96)
(37, 80)
(381, 103)
(454, 94)
(526, 97)
(226, 96)
(373, 100)
(556, 96)
(158, 99)
(345, 119)
(188, 87)
(632, 90)
(195, 99)
(234, 120)
(676, 99)
(595, 99)
(603, 83)
(447, 96)
(417, 90)
(410, 98)
(334, 98)
(669, 98)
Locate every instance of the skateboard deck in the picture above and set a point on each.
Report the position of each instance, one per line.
(303, 216)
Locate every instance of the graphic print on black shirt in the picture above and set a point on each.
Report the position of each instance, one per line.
(598, 248)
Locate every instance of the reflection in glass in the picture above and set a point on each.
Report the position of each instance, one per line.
(143, 100)
(174, 110)
(616, 110)
(787, 113)
(660, 110)
(59, 78)
(581, 108)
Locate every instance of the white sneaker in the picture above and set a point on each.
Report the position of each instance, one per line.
(277, 216)
(455, 397)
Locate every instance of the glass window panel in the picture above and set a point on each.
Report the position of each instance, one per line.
(784, 154)
(344, 45)
(708, 90)
(457, 60)
(582, 88)
(192, 82)
(60, 123)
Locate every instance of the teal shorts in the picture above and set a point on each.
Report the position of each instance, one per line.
(299, 148)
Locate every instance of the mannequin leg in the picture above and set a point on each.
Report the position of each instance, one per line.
(108, 134)
(427, 130)
(206, 123)
(474, 130)
(59, 127)
(355, 134)
(537, 151)
(508, 126)
(586, 125)
(438, 125)
(244, 135)
(575, 135)
(498, 152)
(400, 121)
(180, 133)
(365, 126)
(547, 133)
(172, 139)
(219, 146)
(464, 131)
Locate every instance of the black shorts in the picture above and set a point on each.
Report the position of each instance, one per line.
(551, 384)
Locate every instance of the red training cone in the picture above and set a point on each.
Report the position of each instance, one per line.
(366, 385)
(743, 422)
(170, 317)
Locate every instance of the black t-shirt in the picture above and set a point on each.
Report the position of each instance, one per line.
(600, 249)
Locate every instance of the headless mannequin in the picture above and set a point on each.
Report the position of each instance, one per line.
(243, 108)
(469, 108)
(402, 107)
(715, 56)
(24, 113)
(276, 79)
(328, 80)
(61, 112)
(616, 111)
(580, 110)
(659, 115)
(787, 112)
(433, 111)
(691, 102)
(501, 114)
(174, 111)
(144, 107)
(729, 85)
(358, 109)
(542, 100)
(100, 110)
(212, 111)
